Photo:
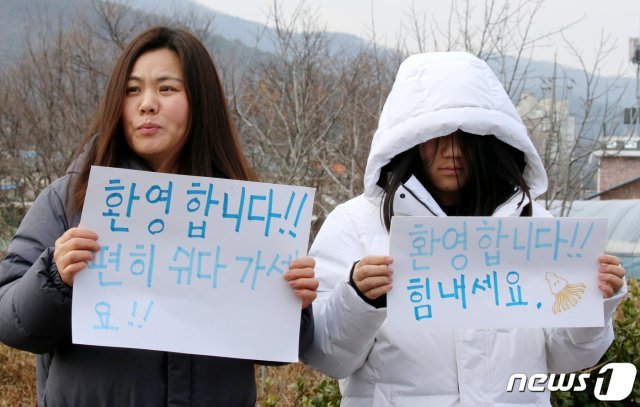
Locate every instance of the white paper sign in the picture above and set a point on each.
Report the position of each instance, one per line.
(486, 272)
(191, 265)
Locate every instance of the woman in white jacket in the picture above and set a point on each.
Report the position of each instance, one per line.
(449, 142)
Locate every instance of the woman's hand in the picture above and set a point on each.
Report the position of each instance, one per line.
(301, 277)
(73, 251)
(372, 276)
(611, 274)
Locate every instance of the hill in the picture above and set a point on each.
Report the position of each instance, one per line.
(242, 39)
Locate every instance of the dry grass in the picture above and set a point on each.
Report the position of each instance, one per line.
(17, 378)
(275, 385)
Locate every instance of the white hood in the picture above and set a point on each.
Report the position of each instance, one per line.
(383, 366)
(436, 94)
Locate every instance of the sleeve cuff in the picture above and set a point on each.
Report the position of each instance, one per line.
(54, 276)
(380, 302)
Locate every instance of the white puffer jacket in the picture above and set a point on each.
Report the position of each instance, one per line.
(434, 95)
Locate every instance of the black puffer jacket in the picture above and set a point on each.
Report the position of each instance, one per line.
(35, 315)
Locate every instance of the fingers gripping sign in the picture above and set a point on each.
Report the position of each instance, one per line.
(301, 278)
(73, 251)
(611, 275)
(373, 276)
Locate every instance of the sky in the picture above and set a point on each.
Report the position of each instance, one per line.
(617, 19)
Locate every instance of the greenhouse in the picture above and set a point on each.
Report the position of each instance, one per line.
(623, 231)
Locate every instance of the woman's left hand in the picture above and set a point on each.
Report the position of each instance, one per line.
(611, 274)
(301, 277)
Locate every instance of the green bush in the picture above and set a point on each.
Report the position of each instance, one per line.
(326, 393)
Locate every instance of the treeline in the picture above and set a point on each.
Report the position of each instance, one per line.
(306, 113)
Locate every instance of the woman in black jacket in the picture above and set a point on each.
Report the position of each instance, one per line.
(163, 110)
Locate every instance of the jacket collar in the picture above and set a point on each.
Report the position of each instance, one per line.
(413, 199)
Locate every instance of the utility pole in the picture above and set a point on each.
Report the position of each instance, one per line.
(634, 54)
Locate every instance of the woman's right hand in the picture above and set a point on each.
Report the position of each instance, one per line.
(73, 251)
(372, 276)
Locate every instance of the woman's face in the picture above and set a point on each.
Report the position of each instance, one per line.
(155, 114)
(446, 168)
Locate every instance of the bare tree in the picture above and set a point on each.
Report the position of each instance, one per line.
(570, 165)
(502, 33)
(308, 113)
(48, 97)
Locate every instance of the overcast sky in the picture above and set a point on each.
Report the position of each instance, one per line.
(619, 19)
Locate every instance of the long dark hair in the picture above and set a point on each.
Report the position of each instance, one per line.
(495, 173)
(211, 147)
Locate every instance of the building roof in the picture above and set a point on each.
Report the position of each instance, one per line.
(622, 184)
